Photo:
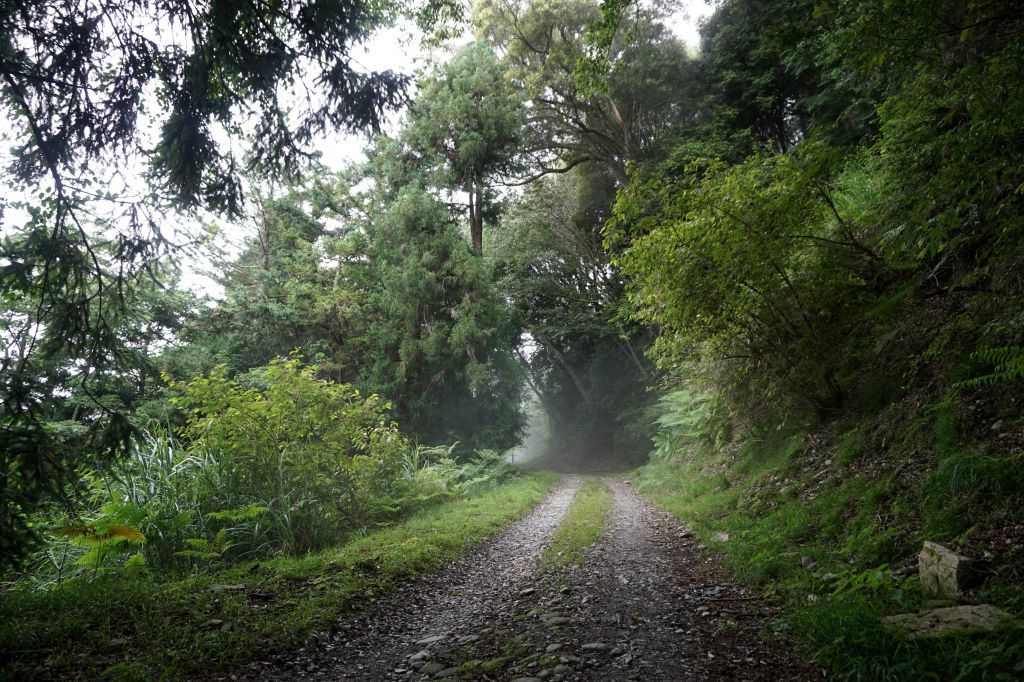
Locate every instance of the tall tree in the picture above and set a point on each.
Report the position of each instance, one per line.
(92, 87)
(437, 340)
(470, 115)
(650, 86)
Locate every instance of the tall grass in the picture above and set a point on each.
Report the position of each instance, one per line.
(195, 511)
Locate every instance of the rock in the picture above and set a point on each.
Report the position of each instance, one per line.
(447, 672)
(595, 646)
(468, 639)
(422, 655)
(943, 571)
(431, 668)
(429, 640)
(562, 669)
(225, 588)
(939, 603)
(213, 623)
(117, 642)
(808, 563)
(555, 621)
(526, 592)
(566, 590)
(618, 651)
(526, 679)
(552, 648)
(720, 537)
(952, 620)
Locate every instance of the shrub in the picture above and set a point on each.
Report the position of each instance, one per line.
(321, 458)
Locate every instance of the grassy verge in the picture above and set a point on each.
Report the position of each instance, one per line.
(581, 526)
(823, 537)
(142, 627)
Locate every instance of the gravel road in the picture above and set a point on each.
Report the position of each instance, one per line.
(647, 604)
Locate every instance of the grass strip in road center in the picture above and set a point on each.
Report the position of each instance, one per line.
(142, 627)
(582, 525)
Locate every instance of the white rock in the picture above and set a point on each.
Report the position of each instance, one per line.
(950, 620)
(943, 571)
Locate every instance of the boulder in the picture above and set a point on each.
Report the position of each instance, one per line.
(952, 620)
(942, 571)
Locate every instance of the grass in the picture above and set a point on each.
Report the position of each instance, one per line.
(581, 526)
(853, 524)
(142, 627)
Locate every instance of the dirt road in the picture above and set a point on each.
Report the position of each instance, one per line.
(647, 604)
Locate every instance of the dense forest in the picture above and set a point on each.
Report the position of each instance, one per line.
(778, 277)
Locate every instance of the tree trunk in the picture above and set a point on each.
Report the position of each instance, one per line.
(562, 360)
(627, 349)
(264, 237)
(528, 374)
(476, 217)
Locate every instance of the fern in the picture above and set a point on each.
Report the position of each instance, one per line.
(246, 513)
(1007, 364)
(685, 418)
(208, 550)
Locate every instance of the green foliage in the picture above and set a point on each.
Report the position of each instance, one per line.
(392, 301)
(853, 515)
(469, 117)
(638, 82)
(319, 456)
(736, 268)
(684, 420)
(587, 363)
(201, 548)
(215, 62)
(94, 103)
(1007, 365)
(282, 464)
(164, 622)
(435, 338)
(67, 401)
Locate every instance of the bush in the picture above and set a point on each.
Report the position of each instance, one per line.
(318, 456)
(274, 462)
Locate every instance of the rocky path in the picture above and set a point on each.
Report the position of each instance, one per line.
(646, 605)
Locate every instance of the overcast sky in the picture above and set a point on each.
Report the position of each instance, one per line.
(398, 49)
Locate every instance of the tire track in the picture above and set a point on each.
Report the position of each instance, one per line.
(454, 602)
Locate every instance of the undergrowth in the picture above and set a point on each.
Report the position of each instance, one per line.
(829, 524)
(139, 626)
